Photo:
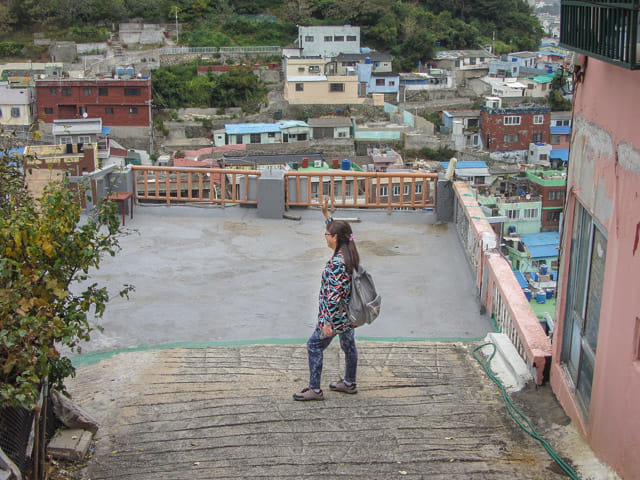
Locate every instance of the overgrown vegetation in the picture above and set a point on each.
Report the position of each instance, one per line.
(45, 300)
(443, 154)
(181, 86)
(411, 31)
(555, 99)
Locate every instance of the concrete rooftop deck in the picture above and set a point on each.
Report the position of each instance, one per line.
(207, 274)
(227, 300)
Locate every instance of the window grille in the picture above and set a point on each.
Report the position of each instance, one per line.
(606, 29)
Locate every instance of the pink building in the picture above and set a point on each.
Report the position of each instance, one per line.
(595, 370)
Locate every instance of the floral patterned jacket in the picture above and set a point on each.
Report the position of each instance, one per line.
(334, 288)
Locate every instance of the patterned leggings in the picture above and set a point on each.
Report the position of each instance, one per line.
(315, 348)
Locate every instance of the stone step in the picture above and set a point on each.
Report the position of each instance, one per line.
(71, 444)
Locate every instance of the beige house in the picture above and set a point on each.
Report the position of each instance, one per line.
(304, 66)
(17, 106)
(322, 90)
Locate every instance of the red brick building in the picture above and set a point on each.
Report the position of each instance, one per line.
(125, 103)
(507, 129)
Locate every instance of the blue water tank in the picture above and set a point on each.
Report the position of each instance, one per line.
(543, 269)
(346, 164)
(367, 61)
(549, 69)
(549, 293)
(527, 293)
(541, 297)
(512, 229)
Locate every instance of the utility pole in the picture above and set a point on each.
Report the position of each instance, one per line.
(177, 32)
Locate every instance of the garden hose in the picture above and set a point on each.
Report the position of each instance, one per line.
(518, 416)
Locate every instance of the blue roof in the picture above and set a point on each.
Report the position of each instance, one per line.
(242, 128)
(562, 130)
(561, 153)
(13, 151)
(551, 52)
(521, 280)
(542, 245)
(467, 164)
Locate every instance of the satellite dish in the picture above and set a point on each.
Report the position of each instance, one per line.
(84, 115)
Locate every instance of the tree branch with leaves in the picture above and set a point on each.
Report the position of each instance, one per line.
(48, 249)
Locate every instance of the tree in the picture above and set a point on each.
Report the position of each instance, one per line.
(45, 301)
(556, 101)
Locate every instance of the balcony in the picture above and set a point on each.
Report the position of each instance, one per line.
(607, 30)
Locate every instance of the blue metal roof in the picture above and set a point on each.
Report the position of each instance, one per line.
(466, 164)
(561, 130)
(551, 52)
(561, 153)
(521, 280)
(246, 128)
(542, 245)
(13, 151)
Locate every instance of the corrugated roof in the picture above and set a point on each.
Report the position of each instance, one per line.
(467, 164)
(242, 128)
(560, 153)
(329, 122)
(520, 277)
(77, 126)
(542, 245)
(561, 130)
(544, 78)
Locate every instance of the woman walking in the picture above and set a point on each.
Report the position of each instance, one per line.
(335, 293)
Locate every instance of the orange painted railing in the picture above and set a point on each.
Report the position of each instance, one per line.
(362, 189)
(188, 184)
(498, 289)
(346, 188)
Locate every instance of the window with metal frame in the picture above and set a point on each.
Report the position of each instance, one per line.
(587, 262)
(512, 120)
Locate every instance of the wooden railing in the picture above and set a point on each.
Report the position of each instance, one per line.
(362, 189)
(188, 184)
(389, 190)
(498, 289)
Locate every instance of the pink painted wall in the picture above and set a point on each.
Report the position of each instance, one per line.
(604, 176)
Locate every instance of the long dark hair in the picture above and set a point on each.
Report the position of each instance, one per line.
(345, 244)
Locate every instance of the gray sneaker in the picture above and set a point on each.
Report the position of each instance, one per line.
(342, 387)
(308, 394)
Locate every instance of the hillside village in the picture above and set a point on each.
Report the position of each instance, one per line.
(332, 100)
(341, 120)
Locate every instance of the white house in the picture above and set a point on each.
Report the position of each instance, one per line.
(328, 41)
(17, 106)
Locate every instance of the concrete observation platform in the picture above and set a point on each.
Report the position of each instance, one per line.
(193, 376)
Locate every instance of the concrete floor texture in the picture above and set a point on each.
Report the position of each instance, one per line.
(193, 376)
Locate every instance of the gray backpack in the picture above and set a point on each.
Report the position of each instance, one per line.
(364, 306)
